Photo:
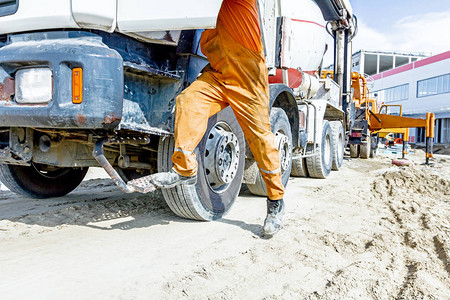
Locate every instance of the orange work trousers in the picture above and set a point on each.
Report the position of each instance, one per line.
(237, 77)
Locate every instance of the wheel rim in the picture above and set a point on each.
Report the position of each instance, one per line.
(284, 148)
(221, 157)
(327, 150)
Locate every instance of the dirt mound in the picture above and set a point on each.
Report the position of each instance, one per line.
(417, 181)
(419, 201)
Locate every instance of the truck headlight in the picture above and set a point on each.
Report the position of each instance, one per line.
(34, 85)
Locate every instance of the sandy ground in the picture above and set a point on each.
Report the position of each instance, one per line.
(370, 231)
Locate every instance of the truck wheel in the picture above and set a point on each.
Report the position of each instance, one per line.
(319, 166)
(354, 150)
(364, 149)
(299, 168)
(281, 128)
(338, 141)
(221, 159)
(374, 147)
(41, 181)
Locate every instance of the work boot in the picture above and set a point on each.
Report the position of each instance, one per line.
(171, 179)
(274, 219)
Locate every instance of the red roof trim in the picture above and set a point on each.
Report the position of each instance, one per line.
(376, 76)
(414, 65)
(398, 70)
(432, 59)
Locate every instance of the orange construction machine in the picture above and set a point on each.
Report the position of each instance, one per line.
(368, 121)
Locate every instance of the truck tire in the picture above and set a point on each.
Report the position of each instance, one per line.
(374, 147)
(41, 181)
(354, 150)
(221, 160)
(299, 168)
(319, 166)
(281, 128)
(338, 141)
(364, 149)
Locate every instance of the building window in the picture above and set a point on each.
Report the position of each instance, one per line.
(433, 86)
(396, 93)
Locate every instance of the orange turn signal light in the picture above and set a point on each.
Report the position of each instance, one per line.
(77, 85)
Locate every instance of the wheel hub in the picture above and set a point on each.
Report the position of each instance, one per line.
(221, 156)
(284, 148)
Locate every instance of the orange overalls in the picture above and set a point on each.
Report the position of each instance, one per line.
(238, 77)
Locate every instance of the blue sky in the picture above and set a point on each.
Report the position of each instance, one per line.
(383, 14)
(414, 25)
(402, 25)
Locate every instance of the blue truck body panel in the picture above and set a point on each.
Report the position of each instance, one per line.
(61, 52)
(127, 84)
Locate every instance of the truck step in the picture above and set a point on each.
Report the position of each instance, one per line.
(142, 185)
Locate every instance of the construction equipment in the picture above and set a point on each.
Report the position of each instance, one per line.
(380, 122)
(92, 84)
(372, 121)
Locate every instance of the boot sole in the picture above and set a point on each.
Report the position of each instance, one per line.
(190, 181)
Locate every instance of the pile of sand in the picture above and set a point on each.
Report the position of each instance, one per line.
(419, 199)
(417, 182)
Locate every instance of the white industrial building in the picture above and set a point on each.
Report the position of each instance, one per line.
(421, 86)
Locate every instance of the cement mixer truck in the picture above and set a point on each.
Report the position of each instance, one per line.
(93, 83)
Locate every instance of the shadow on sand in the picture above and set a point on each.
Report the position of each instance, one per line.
(98, 204)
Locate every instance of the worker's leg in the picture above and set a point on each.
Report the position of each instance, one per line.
(253, 116)
(194, 106)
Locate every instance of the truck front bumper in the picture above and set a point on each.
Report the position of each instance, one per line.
(61, 52)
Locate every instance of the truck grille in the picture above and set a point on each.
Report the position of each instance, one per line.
(8, 7)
